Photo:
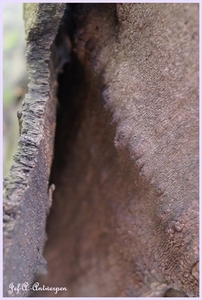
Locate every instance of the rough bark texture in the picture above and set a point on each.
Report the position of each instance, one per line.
(124, 219)
(26, 201)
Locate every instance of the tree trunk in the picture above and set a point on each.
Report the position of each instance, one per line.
(122, 81)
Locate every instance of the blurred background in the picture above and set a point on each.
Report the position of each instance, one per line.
(15, 78)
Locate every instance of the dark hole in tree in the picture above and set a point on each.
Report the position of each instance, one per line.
(70, 101)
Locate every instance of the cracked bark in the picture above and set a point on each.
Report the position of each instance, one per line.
(124, 219)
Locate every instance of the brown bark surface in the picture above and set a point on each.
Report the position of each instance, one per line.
(124, 219)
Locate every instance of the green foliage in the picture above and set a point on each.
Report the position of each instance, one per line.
(11, 39)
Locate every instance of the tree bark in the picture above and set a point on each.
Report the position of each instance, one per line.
(123, 82)
(26, 201)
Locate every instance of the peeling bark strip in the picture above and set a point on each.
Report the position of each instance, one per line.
(26, 187)
(124, 217)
